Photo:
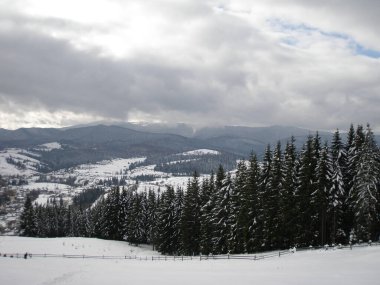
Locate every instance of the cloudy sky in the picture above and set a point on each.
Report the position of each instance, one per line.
(312, 64)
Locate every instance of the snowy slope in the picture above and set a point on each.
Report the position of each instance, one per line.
(48, 146)
(77, 246)
(201, 152)
(332, 267)
(18, 156)
(101, 170)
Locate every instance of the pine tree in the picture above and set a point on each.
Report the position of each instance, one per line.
(254, 206)
(28, 220)
(320, 197)
(167, 223)
(287, 196)
(152, 216)
(239, 211)
(337, 195)
(306, 185)
(365, 187)
(265, 197)
(207, 207)
(135, 231)
(190, 219)
(179, 201)
(111, 224)
(348, 178)
(125, 213)
(222, 221)
(271, 200)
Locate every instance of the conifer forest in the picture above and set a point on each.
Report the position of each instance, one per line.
(324, 193)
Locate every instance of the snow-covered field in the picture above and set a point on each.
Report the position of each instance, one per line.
(18, 156)
(348, 267)
(77, 246)
(101, 170)
(48, 146)
(201, 152)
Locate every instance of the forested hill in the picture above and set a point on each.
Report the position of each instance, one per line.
(322, 194)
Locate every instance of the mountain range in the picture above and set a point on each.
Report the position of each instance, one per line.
(91, 143)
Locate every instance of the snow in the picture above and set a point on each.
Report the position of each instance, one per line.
(174, 181)
(21, 156)
(49, 146)
(77, 246)
(146, 170)
(101, 170)
(201, 152)
(349, 267)
(56, 187)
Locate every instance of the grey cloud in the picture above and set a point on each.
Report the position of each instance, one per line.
(36, 68)
(237, 75)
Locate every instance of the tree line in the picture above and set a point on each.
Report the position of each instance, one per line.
(318, 195)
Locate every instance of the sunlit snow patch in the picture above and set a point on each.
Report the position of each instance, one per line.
(201, 152)
(49, 146)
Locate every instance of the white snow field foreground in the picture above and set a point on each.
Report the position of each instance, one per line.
(357, 266)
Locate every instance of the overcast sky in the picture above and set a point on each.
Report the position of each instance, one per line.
(312, 64)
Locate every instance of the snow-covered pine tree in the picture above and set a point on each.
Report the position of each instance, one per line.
(265, 196)
(112, 213)
(239, 211)
(179, 201)
(126, 198)
(28, 225)
(222, 221)
(337, 195)
(166, 223)
(144, 212)
(100, 219)
(272, 195)
(135, 231)
(254, 206)
(190, 219)
(207, 192)
(320, 197)
(41, 221)
(306, 185)
(348, 177)
(365, 188)
(207, 206)
(152, 216)
(288, 214)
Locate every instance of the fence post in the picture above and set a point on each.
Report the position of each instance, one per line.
(279, 254)
(200, 257)
(182, 257)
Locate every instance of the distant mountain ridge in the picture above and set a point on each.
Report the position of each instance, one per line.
(96, 142)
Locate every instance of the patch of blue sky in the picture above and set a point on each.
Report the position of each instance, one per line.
(357, 48)
(290, 41)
